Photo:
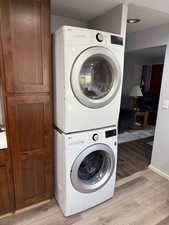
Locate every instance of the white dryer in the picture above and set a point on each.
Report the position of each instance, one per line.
(88, 69)
(85, 169)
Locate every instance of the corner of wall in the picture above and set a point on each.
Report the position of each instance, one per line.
(113, 21)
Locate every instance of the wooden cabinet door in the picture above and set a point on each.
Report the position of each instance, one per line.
(6, 197)
(6, 183)
(30, 134)
(26, 45)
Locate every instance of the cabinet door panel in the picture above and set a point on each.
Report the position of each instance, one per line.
(4, 193)
(31, 138)
(26, 44)
(6, 201)
(30, 123)
(6, 183)
(33, 170)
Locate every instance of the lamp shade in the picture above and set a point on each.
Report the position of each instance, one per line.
(136, 91)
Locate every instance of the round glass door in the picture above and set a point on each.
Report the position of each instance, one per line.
(96, 76)
(92, 82)
(93, 168)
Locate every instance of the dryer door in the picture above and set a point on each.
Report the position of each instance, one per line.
(93, 168)
(95, 77)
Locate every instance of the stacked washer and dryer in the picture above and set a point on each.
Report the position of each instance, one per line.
(88, 68)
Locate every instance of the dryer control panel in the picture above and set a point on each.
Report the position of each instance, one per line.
(110, 133)
(116, 40)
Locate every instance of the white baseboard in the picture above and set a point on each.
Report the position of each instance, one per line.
(159, 172)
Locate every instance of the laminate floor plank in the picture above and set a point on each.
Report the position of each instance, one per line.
(164, 222)
(140, 199)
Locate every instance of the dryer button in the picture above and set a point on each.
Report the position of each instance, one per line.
(99, 37)
(95, 137)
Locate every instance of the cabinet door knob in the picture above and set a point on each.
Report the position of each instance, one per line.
(2, 166)
(25, 153)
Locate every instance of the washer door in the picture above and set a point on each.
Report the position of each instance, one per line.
(93, 168)
(95, 77)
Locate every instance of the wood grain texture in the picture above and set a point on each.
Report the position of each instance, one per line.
(142, 119)
(140, 199)
(25, 36)
(6, 182)
(5, 201)
(30, 117)
(26, 45)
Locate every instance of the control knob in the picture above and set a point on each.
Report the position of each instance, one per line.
(99, 37)
(95, 137)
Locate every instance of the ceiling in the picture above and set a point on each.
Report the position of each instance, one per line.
(149, 18)
(159, 5)
(152, 13)
(82, 9)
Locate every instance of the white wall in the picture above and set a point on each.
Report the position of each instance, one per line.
(160, 157)
(109, 21)
(157, 36)
(113, 21)
(150, 38)
(58, 21)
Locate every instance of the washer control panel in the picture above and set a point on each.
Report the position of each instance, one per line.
(95, 137)
(99, 37)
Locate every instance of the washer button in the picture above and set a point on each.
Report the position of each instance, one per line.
(95, 137)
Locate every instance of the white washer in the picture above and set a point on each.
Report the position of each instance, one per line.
(88, 68)
(85, 169)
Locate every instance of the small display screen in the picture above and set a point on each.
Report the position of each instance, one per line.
(111, 133)
(116, 40)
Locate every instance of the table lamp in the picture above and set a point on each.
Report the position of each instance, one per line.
(135, 94)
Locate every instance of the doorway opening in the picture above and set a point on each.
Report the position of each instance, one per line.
(143, 72)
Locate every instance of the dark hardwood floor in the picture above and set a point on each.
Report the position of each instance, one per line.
(133, 156)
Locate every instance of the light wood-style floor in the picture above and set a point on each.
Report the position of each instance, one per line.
(141, 199)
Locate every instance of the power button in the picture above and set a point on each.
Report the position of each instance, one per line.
(95, 137)
(99, 37)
